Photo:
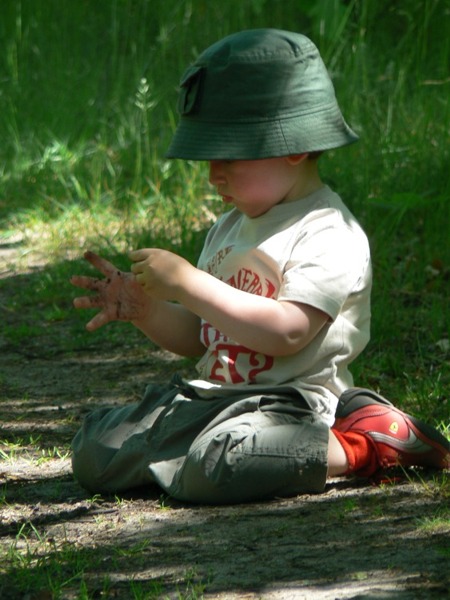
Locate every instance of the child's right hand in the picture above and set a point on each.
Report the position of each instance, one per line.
(119, 296)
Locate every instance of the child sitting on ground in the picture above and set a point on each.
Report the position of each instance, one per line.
(277, 307)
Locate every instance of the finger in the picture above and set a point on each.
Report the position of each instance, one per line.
(98, 321)
(103, 265)
(88, 302)
(87, 283)
(139, 255)
(137, 267)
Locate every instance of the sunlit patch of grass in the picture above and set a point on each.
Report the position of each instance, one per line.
(437, 523)
(170, 211)
(436, 486)
(30, 449)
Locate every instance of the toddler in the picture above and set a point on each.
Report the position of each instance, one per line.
(276, 309)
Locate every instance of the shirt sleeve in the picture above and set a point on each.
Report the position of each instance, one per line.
(326, 267)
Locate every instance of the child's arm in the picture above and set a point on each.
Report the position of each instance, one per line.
(120, 298)
(261, 324)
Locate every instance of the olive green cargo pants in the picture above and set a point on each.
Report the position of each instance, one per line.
(224, 450)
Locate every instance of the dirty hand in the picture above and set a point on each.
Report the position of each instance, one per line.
(119, 297)
(161, 273)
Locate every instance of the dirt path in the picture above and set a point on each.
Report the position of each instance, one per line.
(353, 541)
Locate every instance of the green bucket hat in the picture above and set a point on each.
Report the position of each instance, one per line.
(261, 93)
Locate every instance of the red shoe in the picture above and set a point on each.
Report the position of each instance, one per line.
(399, 439)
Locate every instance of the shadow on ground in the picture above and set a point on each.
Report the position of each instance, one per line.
(56, 541)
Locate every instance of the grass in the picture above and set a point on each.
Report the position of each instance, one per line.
(32, 450)
(65, 570)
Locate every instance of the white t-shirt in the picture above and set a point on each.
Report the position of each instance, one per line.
(311, 251)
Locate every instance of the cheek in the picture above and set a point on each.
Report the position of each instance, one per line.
(267, 188)
(258, 183)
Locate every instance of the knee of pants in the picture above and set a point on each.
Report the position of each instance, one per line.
(89, 464)
(233, 468)
(101, 468)
(206, 473)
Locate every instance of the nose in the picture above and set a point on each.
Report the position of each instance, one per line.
(216, 172)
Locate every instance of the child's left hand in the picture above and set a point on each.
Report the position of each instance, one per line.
(161, 273)
(118, 296)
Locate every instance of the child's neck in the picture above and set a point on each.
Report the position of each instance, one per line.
(308, 181)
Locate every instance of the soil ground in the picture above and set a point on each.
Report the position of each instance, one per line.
(353, 541)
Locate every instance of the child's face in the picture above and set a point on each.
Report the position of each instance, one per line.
(255, 186)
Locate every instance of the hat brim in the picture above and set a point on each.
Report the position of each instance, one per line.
(198, 139)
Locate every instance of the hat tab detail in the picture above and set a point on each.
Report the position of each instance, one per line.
(190, 87)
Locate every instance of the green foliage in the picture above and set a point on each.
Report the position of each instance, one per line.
(87, 108)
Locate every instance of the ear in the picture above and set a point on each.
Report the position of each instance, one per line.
(296, 159)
